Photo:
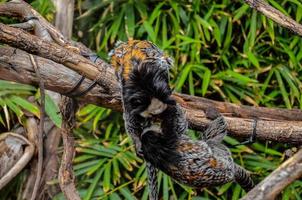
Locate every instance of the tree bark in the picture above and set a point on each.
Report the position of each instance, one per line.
(15, 66)
(275, 15)
(273, 184)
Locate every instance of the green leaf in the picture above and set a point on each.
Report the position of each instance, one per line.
(253, 59)
(130, 20)
(26, 105)
(183, 76)
(205, 82)
(53, 111)
(93, 185)
(150, 31)
(8, 85)
(127, 194)
(107, 177)
(282, 89)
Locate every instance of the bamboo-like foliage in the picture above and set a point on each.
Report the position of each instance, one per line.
(222, 50)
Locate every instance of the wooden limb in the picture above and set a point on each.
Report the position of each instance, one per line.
(66, 176)
(24, 159)
(32, 132)
(51, 164)
(64, 16)
(15, 66)
(33, 44)
(273, 184)
(43, 29)
(275, 15)
(41, 128)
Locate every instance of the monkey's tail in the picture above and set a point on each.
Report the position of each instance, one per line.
(243, 178)
(152, 181)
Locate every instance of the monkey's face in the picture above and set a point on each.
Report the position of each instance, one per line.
(147, 91)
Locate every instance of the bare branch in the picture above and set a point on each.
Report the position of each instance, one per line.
(66, 176)
(64, 16)
(273, 184)
(275, 15)
(24, 159)
(14, 65)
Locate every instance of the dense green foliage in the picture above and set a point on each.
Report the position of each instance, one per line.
(223, 50)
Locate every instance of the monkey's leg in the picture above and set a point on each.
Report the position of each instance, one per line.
(243, 178)
(152, 181)
(252, 138)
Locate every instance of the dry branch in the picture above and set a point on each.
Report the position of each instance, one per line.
(14, 66)
(273, 184)
(275, 15)
(22, 161)
(66, 176)
(41, 128)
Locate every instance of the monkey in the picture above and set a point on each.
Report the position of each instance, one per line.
(201, 163)
(142, 70)
(143, 73)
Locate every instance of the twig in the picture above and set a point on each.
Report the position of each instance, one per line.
(21, 163)
(41, 128)
(273, 184)
(66, 176)
(275, 15)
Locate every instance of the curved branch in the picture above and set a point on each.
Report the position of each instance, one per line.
(107, 93)
(275, 15)
(22, 162)
(15, 66)
(273, 184)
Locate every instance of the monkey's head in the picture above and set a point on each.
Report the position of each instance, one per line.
(128, 55)
(147, 91)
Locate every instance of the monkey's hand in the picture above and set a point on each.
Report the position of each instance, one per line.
(212, 113)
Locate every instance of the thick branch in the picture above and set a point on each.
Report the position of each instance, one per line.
(15, 66)
(275, 15)
(10, 140)
(272, 185)
(33, 44)
(107, 94)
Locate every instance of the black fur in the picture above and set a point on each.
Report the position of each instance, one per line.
(146, 81)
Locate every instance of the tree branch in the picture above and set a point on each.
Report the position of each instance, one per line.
(273, 184)
(66, 176)
(275, 15)
(10, 140)
(14, 66)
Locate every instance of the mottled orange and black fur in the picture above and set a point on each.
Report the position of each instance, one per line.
(128, 55)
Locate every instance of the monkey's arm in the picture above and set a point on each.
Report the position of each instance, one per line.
(134, 129)
(174, 121)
